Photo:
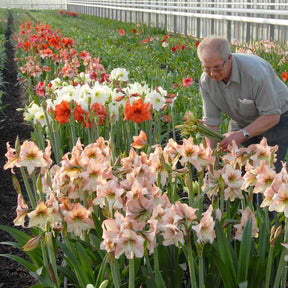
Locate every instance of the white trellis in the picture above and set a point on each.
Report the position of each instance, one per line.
(245, 20)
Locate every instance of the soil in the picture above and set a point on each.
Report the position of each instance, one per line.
(12, 274)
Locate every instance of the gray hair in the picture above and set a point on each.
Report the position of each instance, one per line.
(214, 44)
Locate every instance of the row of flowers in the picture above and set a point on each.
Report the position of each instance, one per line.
(86, 191)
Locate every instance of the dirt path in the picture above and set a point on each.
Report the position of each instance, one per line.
(12, 274)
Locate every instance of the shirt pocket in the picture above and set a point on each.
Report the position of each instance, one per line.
(247, 109)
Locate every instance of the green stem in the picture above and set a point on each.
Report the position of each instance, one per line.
(281, 271)
(191, 190)
(28, 188)
(116, 274)
(191, 263)
(201, 270)
(268, 267)
(131, 273)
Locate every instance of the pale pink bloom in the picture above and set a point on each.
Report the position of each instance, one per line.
(264, 178)
(139, 208)
(172, 235)
(246, 215)
(237, 157)
(268, 196)
(187, 213)
(263, 152)
(233, 181)
(158, 165)
(78, 220)
(188, 151)
(204, 158)
(131, 244)
(205, 229)
(140, 141)
(250, 176)
(113, 227)
(109, 193)
(150, 235)
(12, 158)
(30, 156)
(22, 210)
(136, 189)
(212, 183)
(157, 214)
(280, 200)
(40, 215)
(127, 163)
(47, 154)
(172, 148)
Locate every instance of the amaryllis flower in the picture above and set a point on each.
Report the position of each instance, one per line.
(233, 180)
(284, 76)
(131, 244)
(280, 200)
(78, 220)
(246, 215)
(99, 111)
(138, 111)
(157, 100)
(62, 112)
(22, 210)
(187, 82)
(31, 157)
(121, 32)
(119, 74)
(40, 215)
(40, 89)
(12, 158)
(205, 229)
(140, 141)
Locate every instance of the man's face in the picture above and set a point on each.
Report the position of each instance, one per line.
(215, 67)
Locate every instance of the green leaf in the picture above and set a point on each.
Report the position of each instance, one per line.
(244, 253)
(101, 273)
(225, 251)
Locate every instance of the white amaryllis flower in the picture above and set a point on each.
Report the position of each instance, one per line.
(100, 93)
(65, 93)
(137, 88)
(162, 91)
(120, 74)
(56, 83)
(113, 108)
(35, 114)
(156, 99)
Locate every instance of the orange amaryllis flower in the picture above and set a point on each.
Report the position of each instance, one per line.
(62, 112)
(138, 111)
(99, 110)
(79, 113)
(140, 141)
(284, 76)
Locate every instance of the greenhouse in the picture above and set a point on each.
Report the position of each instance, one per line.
(143, 143)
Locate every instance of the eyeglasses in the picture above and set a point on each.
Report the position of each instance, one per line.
(215, 69)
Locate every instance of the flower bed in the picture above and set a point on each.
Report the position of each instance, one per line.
(116, 192)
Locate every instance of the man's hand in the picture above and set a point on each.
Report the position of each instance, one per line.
(237, 136)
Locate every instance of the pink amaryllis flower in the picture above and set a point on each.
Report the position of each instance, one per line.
(131, 244)
(246, 215)
(12, 158)
(233, 181)
(31, 157)
(205, 229)
(140, 141)
(280, 200)
(22, 210)
(78, 219)
(187, 82)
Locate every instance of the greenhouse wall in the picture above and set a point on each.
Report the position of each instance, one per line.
(33, 4)
(244, 20)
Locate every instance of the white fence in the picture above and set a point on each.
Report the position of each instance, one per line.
(245, 20)
(33, 4)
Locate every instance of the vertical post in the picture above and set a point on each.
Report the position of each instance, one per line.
(229, 23)
(212, 31)
(248, 24)
(198, 25)
(186, 20)
(272, 26)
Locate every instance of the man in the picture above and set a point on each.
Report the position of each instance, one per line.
(247, 90)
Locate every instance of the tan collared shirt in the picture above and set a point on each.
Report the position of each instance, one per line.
(253, 90)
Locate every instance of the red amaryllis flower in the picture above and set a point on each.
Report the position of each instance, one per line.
(40, 89)
(62, 112)
(197, 43)
(98, 110)
(284, 76)
(187, 82)
(122, 32)
(138, 111)
(79, 113)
